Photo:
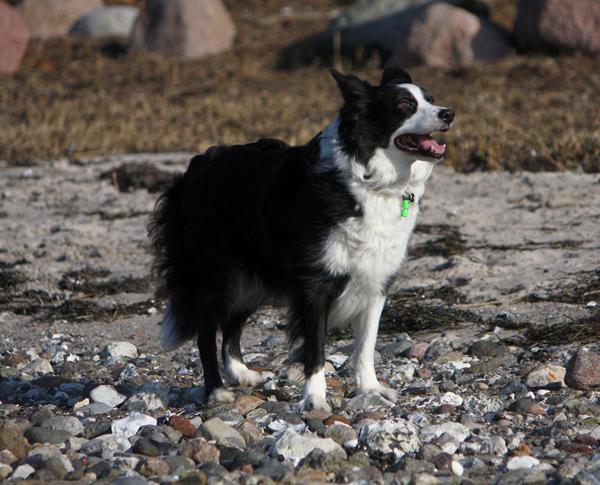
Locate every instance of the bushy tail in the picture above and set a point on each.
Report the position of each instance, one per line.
(166, 232)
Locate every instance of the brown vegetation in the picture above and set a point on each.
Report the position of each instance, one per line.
(74, 98)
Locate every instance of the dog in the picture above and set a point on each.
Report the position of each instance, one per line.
(321, 228)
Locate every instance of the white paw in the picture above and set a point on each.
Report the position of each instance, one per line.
(239, 374)
(249, 378)
(385, 392)
(318, 403)
(221, 395)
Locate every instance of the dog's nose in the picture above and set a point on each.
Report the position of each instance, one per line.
(446, 115)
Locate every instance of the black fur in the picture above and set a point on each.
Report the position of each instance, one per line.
(244, 227)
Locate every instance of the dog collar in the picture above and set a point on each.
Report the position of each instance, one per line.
(406, 201)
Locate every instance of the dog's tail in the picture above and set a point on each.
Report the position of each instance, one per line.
(166, 233)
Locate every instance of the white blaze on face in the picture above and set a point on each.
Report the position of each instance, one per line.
(425, 120)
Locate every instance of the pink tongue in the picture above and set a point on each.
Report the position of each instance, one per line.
(428, 144)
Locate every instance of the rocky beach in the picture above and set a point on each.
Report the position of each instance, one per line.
(490, 333)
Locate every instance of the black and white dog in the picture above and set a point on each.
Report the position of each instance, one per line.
(316, 227)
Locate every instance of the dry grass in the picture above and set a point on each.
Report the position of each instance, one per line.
(74, 99)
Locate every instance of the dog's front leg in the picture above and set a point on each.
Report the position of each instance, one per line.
(311, 319)
(366, 325)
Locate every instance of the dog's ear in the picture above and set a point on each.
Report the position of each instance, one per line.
(350, 86)
(393, 74)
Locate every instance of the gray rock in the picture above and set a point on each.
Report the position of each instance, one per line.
(396, 349)
(387, 436)
(458, 431)
(7, 457)
(516, 388)
(129, 480)
(43, 414)
(70, 424)
(546, 376)
(60, 466)
(293, 446)
(149, 397)
(122, 350)
(526, 406)
(461, 38)
(273, 469)
(222, 433)
(107, 21)
(107, 395)
(494, 446)
(157, 438)
(45, 435)
(95, 409)
(130, 425)
(558, 25)
(525, 461)
(112, 445)
(37, 457)
(5, 471)
(22, 472)
(144, 446)
(189, 29)
(367, 11)
(179, 464)
(38, 366)
(487, 348)
(583, 370)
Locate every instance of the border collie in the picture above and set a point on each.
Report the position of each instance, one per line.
(321, 228)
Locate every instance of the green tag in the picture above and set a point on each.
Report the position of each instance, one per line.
(405, 207)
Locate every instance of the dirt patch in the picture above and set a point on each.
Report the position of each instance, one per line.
(52, 306)
(448, 293)
(88, 281)
(10, 279)
(84, 310)
(134, 176)
(581, 331)
(403, 314)
(448, 241)
(585, 289)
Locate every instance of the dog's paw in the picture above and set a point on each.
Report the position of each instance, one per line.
(249, 378)
(313, 402)
(221, 395)
(238, 373)
(386, 393)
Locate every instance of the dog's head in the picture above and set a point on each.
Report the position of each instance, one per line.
(391, 123)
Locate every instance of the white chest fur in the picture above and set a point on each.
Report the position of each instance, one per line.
(370, 248)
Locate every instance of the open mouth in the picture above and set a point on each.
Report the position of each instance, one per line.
(424, 145)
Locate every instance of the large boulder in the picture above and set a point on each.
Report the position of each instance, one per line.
(558, 25)
(109, 21)
(187, 29)
(14, 37)
(54, 18)
(399, 27)
(444, 35)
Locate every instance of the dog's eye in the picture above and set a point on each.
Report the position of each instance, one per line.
(405, 105)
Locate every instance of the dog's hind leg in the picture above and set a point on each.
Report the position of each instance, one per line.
(235, 368)
(213, 385)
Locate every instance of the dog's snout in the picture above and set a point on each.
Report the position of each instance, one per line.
(446, 115)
